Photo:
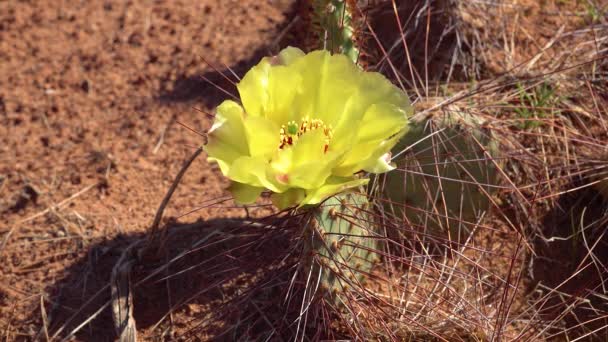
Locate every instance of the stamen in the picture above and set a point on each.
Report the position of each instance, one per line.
(292, 127)
(290, 133)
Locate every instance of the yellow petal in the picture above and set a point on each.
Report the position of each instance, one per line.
(244, 193)
(282, 161)
(305, 165)
(365, 156)
(310, 175)
(226, 138)
(378, 89)
(311, 165)
(380, 121)
(327, 82)
(338, 81)
(379, 165)
(283, 86)
(256, 172)
(373, 88)
(333, 186)
(262, 136)
(288, 198)
(309, 68)
(309, 147)
(253, 88)
(290, 54)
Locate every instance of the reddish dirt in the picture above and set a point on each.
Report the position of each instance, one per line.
(525, 37)
(90, 97)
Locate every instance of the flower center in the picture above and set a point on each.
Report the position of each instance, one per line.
(291, 132)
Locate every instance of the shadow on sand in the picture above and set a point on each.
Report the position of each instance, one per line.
(429, 29)
(212, 87)
(570, 267)
(224, 278)
(212, 279)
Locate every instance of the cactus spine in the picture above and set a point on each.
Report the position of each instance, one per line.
(338, 240)
(336, 18)
(339, 244)
(445, 179)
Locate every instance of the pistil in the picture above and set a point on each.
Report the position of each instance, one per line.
(291, 132)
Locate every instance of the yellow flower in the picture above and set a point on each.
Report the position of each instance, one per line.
(308, 124)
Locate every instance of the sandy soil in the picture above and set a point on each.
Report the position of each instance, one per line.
(90, 98)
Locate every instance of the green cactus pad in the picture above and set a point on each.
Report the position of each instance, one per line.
(339, 244)
(335, 19)
(446, 176)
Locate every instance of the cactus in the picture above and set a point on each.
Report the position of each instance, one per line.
(339, 246)
(446, 171)
(335, 18)
(339, 242)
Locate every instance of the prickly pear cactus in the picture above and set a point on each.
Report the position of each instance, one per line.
(339, 245)
(340, 242)
(335, 19)
(446, 176)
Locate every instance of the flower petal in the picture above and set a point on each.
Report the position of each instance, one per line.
(309, 69)
(311, 165)
(254, 171)
(333, 186)
(326, 82)
(226, 138)
(365, 156)
(282, 161)
(380, 165)
(262, 136)
(309, 147)
(304, 165)
(310, 175)
(372, 88)
(380, 121)
(377, 161)
(338, 81)
(290, 54)
(283, 86)
(288, 198)
(244, 193)
(253, 88)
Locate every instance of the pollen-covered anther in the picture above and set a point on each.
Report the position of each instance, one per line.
(291, 132)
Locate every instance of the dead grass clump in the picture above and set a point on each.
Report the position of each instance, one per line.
(527, 38)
